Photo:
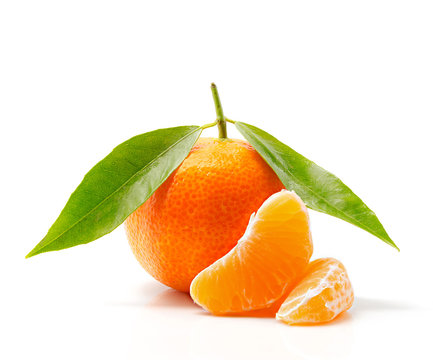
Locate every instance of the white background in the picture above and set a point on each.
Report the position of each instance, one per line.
(347, 84)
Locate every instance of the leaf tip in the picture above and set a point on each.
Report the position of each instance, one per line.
(35, 251)
(392, 243)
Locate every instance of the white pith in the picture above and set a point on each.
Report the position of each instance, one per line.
(335, 279)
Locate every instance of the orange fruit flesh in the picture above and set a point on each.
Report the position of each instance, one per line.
(323, 293)
(266, 262)
(199, 213)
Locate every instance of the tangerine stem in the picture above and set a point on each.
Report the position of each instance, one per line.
(222, 126)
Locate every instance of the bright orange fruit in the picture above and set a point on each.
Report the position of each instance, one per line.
(197, 215)
(323, 293)
(266, 262)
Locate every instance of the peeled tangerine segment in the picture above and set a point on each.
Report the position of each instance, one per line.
(323, 293)
(266, 262)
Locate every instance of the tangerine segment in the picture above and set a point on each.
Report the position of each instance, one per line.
(320, 296)
(266, 262)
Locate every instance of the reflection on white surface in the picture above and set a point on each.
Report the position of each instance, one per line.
(236, 338)
(328, 341)
(172, 299)
(159, 325)
(180, 326)
(362, 305)
(167, 322)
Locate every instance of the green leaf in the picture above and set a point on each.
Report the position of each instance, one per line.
(319, 189)
(118, 185)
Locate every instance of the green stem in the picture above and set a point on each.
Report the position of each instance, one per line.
(209, 125)
(222, 126)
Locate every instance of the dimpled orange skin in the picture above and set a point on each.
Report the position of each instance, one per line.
(199, 213)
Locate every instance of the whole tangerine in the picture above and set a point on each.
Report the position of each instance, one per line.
(199, 213)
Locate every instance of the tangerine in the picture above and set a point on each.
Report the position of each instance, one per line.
(197, 215)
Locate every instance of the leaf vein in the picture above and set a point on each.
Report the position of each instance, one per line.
(117, 190)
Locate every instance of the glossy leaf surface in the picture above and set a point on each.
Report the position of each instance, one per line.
(318, 188)
(118, 185)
